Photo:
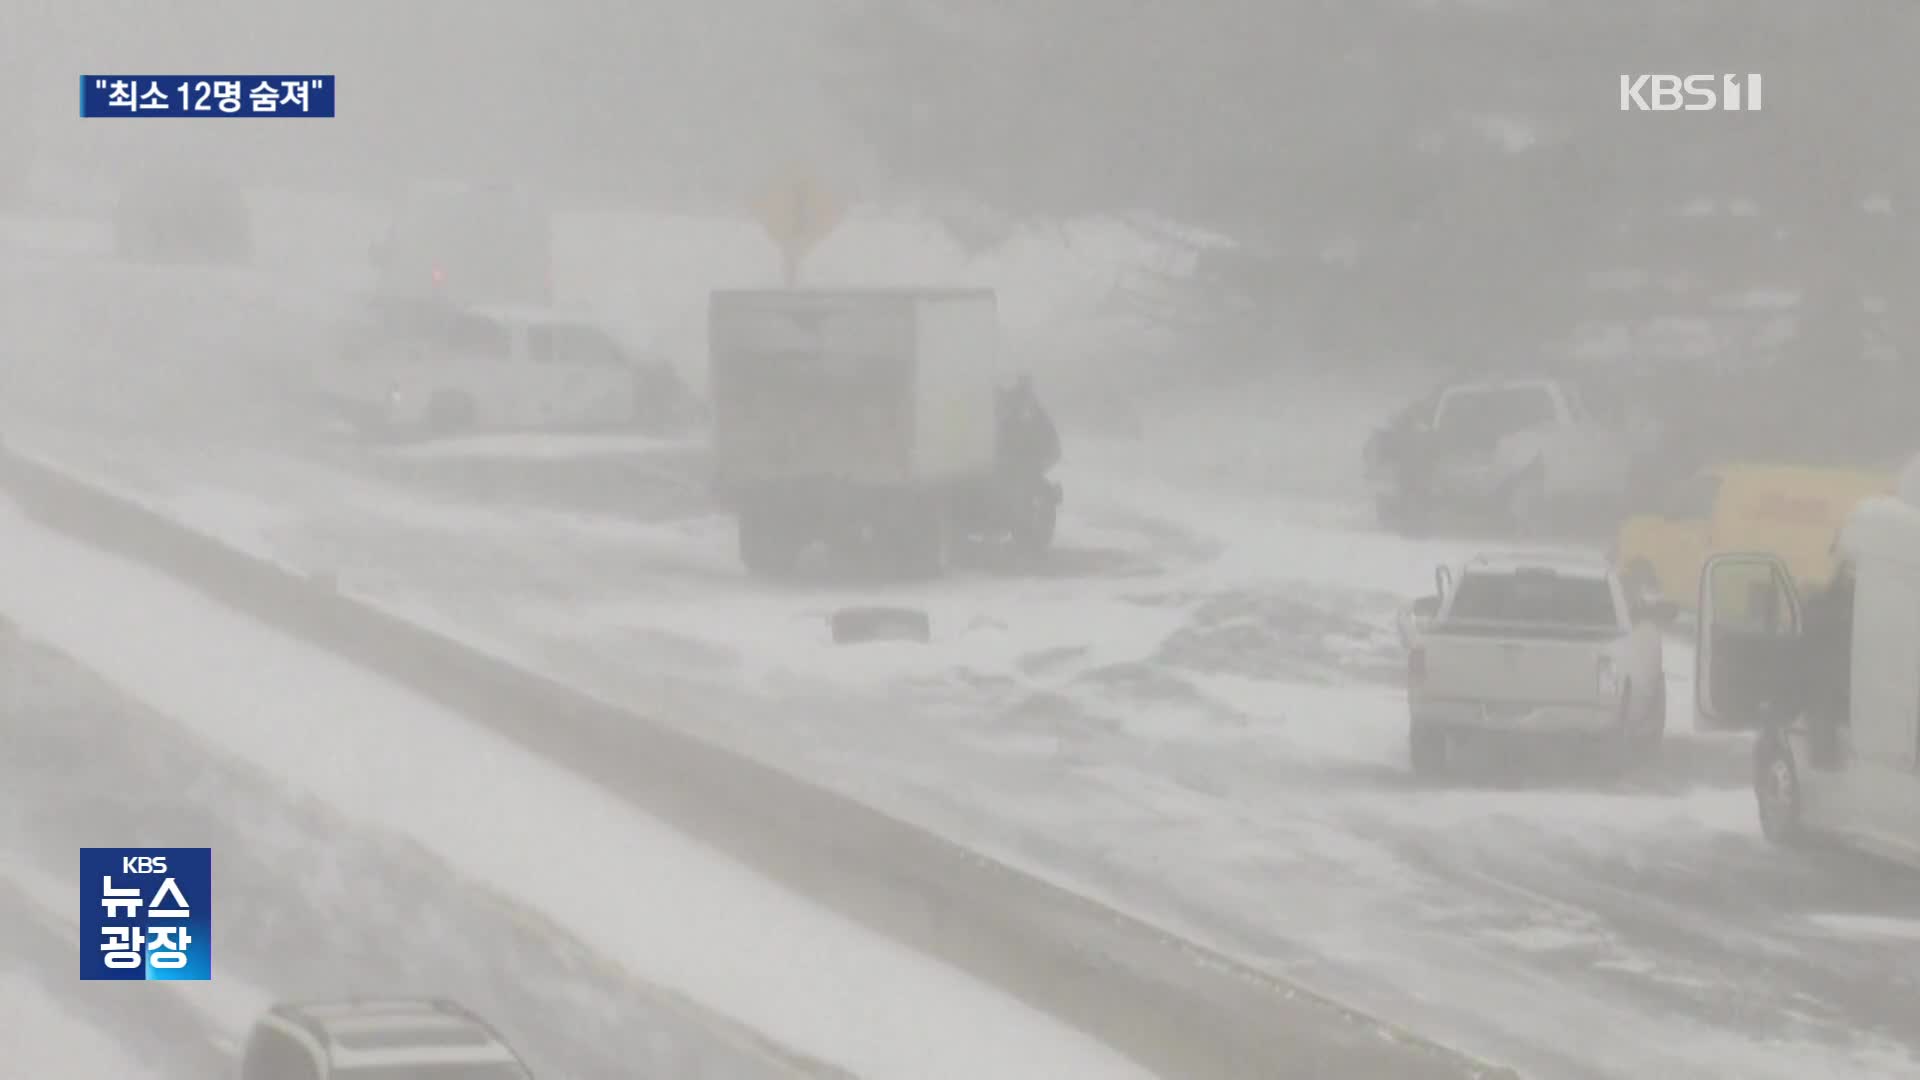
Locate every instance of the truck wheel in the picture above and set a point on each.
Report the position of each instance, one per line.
(769, 545)
(1776, 790)
(920, 539)
(1427, 750)
(1033, 529)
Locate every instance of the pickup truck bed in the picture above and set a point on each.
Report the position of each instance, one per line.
(1517, 677)
(1522, 646)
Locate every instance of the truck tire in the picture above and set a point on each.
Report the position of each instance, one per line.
(769, 544)
(919, 538)
(1776, 790)
(1033, 529)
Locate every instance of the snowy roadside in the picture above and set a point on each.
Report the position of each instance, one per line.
(690, 919)
(311, 906)
(1177, 767)
(45, 1038)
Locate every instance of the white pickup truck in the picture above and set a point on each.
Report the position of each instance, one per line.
(424, 367)
(1530, 646)
(1523, 451)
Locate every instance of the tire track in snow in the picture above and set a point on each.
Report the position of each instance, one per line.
(1717, 935)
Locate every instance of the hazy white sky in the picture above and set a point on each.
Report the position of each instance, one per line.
(685, 95)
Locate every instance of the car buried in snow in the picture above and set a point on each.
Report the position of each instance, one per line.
(1527, 453)
(430, 368)
(377, 1039)
(1529, 646)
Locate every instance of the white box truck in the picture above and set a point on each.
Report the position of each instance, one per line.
(863, 420)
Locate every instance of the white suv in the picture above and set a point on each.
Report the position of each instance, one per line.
(377, 1040)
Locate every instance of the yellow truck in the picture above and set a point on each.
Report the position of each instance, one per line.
(1793, 512)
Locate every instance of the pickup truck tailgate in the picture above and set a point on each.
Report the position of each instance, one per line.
(1498, 666)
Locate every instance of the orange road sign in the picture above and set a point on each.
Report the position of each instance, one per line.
(798, 213)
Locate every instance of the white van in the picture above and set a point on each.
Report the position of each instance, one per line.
(1843, 762)
(427, 368)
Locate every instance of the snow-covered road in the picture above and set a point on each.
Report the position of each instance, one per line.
(311, 904)
(1202, 734)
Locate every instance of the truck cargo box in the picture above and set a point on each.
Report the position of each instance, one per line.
(869, 387)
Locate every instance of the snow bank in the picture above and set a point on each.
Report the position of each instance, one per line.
(42, 1039)
(227, 1004)
(644, 896)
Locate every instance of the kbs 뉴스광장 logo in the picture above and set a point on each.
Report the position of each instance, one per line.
(146, 914)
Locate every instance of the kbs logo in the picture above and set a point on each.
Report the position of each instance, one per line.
(1692, 93)
(146, 914)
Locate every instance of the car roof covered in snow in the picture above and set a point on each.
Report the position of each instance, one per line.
(398, 1031)
(1562, 563)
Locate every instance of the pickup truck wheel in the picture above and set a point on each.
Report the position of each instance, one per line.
(769, 546)
(1427, 748)
(919, 539)
(1033, 527)
(1776, 789)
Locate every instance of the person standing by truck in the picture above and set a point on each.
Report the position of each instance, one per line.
(1027, 447)
(1829, 656)
(1029, 443)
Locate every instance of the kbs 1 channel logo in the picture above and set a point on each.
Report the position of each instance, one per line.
(1690, 93)
(146, 914)
(207, 96)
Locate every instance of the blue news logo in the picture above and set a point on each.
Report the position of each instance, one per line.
(146, 914)
(206, 95)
